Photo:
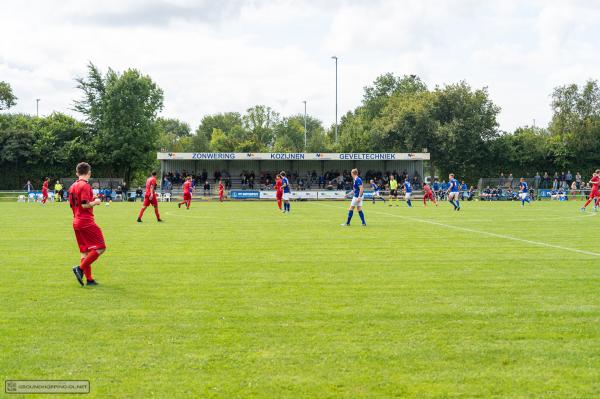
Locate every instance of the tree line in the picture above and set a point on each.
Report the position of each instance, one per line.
(120, 131)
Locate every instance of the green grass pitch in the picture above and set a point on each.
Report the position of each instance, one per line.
(236, 300)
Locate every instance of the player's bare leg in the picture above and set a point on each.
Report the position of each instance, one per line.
(158, 219)
(139, 219)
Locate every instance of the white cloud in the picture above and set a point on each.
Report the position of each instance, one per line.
(220, 56)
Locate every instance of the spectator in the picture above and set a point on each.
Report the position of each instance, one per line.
(28, 186)
(501, 179)
(536, 181)
(206, 188)
(569, 178)
(546, 180)
(578, 180)
(510, 180)
(138, 194)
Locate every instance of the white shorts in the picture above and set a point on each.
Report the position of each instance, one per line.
(453, 195)
(356, 201)
(523, 195)
(286, 196)
(407, 196)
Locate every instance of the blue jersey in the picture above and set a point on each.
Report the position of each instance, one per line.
(453, 185)
(375, 187)
(285, 184)
(407, 187)
(356, 186)
(524, 187)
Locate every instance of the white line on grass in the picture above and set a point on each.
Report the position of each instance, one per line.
(469, 230)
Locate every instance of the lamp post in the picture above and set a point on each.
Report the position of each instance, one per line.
(37, 107)
(336, 97)
(304, 124)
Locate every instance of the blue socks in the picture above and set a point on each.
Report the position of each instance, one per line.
(453, 204)
(409, 204)
(457, 203)
(286, 206)
(362, 217)
(350, 213)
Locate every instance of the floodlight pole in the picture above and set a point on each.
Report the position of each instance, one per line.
(336, 97)
(304, 124)
(37, 107)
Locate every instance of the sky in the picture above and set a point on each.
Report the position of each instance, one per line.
(213, 56)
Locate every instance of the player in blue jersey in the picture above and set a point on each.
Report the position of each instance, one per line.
(357, 198)
(376, 192)
(453, 193)
(285, 185)
(407, 188)
(524, 192)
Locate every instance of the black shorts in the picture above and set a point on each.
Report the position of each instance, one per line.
(394, 193)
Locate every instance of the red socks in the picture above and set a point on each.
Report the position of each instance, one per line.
(155, 212)
(86, 263)
(279, 203)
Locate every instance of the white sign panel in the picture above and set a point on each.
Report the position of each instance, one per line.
(267, 195)
(293, 156)
(331, 194)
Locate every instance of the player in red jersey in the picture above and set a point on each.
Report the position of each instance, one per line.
(428, 195)
(278, 190)
(45, 190)
(187, 193)
(150, 198)
(595, 194)
(88, 234)
(221, 191)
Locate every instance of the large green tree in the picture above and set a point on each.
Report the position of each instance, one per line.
(7, 98)
(121, 109)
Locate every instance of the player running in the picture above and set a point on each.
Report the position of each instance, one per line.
(278, 190)
(187, 193)
(428, 195)
(285, 184)
(453, 194)
(150, 198)
(393, 189)
(595, 194)
(524, 192)
(407, 188)
(88, 234)
(221, 190)
(358, 191)
(376, 191)
(45, 190)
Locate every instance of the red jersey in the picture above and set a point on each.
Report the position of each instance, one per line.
(278, 185)
(150, 184)
(595, 183)
(221, 187)
(81, 193)
(427, 189)
(187, 186)
(45, 186)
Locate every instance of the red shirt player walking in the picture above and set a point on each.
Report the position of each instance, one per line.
(187, 193)
(595, 194)
(45, 190)
(88, 234)
(150, 198)
(221, 191)
(428, 195)
(278, 190)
